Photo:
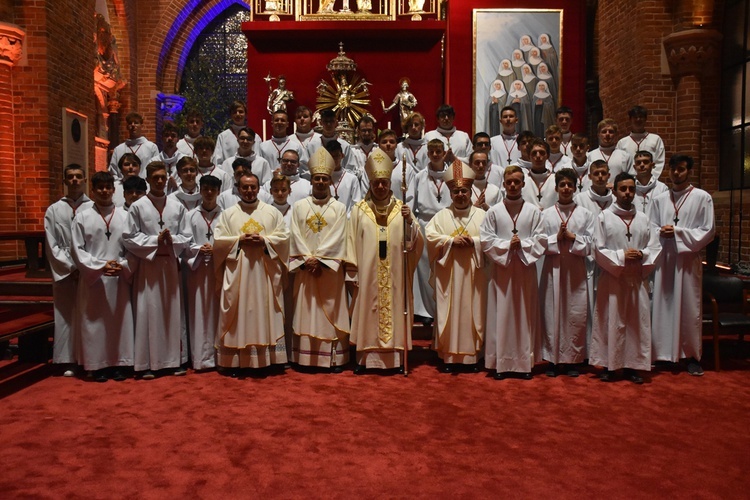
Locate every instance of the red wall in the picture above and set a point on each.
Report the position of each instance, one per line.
(460, 47)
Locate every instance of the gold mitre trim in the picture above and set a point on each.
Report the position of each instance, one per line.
(458, 174)
(321, 163)
(378, 165)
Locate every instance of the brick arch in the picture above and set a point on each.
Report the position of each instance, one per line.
(173, 32)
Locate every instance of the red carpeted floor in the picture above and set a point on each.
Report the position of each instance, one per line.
(304, 435)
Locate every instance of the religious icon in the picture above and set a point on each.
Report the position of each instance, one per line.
(278, 97)
(405, 100)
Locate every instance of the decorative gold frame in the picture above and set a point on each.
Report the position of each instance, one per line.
(307, 11)
(517, 27)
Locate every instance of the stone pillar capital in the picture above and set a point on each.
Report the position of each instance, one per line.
(11, 44)
(170, 104)
(693, 51)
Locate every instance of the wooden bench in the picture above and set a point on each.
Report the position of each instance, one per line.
(33, 332)
(36, 266)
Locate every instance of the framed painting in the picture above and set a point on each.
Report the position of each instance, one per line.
(518, 63)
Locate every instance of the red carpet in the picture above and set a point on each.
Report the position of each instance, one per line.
(303, 435)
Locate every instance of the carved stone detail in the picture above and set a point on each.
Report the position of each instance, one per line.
(693, 52)
(170, 104)
(11, 43)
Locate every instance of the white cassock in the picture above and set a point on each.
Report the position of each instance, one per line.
(187, 200)
(227, 180)
(201, 289)
(57, 227)
(617, 160)
(563, 290)
(492, 193)
(104, 312)
(227, 145)
(415, 151)
(646, 141)
(539, 189)
(426, 196)
(678, 308)
(646, 194)
(397, 178)
(251, 308)
(358, 157)
(374, 248)
(144, 149)
(272, 150)
(458, 141)
(186, 146)
(258, 165)
(160, 334)
(621, 335)
(321, 314)
(504, 150)
(513, 330)
(346, 188)
(460, 283)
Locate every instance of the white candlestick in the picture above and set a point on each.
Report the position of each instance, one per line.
(389, 125)
(264, 129)
(295, 127)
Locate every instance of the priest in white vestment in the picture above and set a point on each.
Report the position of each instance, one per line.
(251, 252)
(316, 258)
(104, 312)
(57, 228)
(684, 218)
(157, 234)
(383, 306)
(626, 249)
(509, 240)
(458, 274)
(566, 233)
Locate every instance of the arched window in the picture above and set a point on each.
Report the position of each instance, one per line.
(216, 70)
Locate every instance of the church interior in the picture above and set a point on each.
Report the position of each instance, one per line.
(71, 70)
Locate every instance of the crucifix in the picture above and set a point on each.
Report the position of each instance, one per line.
(628, 235)
(515, 231)
(539, 196)
(108, 234)
(676, 219)
(161, 223)
(209, 234)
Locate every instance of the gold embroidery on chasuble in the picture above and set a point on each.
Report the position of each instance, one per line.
(459, 231)
(316, 222)
(252, 226)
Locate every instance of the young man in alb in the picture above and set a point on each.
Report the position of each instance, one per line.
(299, 186)
(130, 166)
(200, 276)
(57, 229)
(566, 233)
(598, 197)
(414, 146)
(458, 142)
(684, 219)
(329, 124)
(387, 143)
(483, 193)
(641, 140)
(539, 189)
(272, 149)
(579, 146)
(345, 185)
(368, 135)
(557, 158)
(303, 120)
(226, 143)
(616, 159)
(509, 238)
(316, 259)
(188, 193)
(169, 154)
(157, 234)
(458, 268)
(194, 123)
(626, 249)
(280, 189)
(564, 120)
(104, 322)
(505, 147)
(246, 150)
(133, 189)
(136, 143)
(427, 195)
(204, 150)
(647, 185)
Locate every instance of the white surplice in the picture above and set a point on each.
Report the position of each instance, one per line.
(539, 189)
(321, 315)
(144, 149)
(160, 334)
(460, 283)
(563, 291)
(380, 330)
(251, 308)
(273, 149)
(227, 145)
(645, 141)
(621, 334)
(513, 330)
(104, 312)
(678, 308)
(346, 188)
(646, 193)
(617, 160)
(201, 289)
(57, 227)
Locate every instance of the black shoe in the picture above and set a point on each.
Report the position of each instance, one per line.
(500, 376)
(337, 369)
(447, 368)
(118, 375)
(525, 376)
(401, 370)
(100, 375)
(694, 368)
(633, 376)
(359, 370)
(551, 370)
(476, 368)
(606, 376)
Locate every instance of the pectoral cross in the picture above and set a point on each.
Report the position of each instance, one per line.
(209, 234)
(439, 197)
(580, 186)
(107, 234)
(515, 231)
(337, 197)
(509, 158)
(628, 235)
(676, 219)
(645, 200)
(539, 196)
(161, 223)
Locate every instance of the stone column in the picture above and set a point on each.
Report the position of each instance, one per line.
(11, 51)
